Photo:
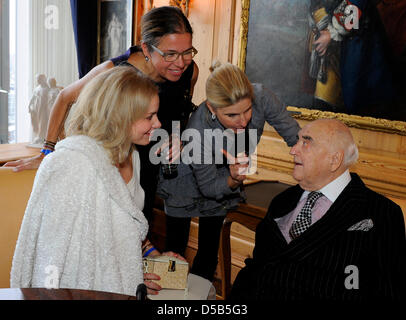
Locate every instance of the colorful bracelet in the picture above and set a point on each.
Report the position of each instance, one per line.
(146, 245)
(46, 151)
(49, 145)
(146, 254)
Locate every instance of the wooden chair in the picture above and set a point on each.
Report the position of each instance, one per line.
(15, 190)
(247, 215)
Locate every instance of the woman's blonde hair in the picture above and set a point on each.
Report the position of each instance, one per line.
(107, 107)
(227, 85)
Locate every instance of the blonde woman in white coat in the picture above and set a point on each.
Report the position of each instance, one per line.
(83, 227)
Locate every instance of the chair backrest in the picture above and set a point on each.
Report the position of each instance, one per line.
(15, 190)
(246, 215)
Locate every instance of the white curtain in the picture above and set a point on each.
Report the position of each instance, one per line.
(52, 41)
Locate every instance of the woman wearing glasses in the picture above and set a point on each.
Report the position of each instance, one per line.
(166, 57)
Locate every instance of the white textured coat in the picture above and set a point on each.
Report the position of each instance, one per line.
(83, 222)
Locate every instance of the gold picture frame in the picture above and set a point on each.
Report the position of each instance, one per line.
(362, 122)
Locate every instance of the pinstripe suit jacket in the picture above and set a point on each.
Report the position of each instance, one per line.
(313, 266)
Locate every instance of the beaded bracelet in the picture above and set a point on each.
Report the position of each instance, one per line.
(46, 151)
(49, 145)
(146, 254)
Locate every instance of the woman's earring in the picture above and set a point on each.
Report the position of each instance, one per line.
(146, 59)
(213, 116)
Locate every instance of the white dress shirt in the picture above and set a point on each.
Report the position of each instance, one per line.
(330, 192)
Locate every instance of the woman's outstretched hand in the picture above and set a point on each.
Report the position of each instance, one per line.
(25, 164)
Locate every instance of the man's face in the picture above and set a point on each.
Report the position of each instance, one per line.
(312, 156)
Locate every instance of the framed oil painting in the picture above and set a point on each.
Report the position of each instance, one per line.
(325, 59)
(115, 28)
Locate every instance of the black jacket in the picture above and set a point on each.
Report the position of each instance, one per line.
(319, 263)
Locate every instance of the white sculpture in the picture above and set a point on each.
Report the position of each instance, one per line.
(40, 106)
(53, 93)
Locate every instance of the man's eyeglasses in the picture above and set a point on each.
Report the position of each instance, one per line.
(173, 56)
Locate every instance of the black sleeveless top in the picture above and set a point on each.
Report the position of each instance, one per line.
(174, 97)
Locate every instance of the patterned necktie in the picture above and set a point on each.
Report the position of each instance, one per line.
(304, 218)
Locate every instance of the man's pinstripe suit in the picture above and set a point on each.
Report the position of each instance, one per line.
(313, 266)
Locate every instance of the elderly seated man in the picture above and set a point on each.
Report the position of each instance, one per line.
(329, 237)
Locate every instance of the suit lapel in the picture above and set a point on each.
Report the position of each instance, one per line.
(280, 206)
(285, 203)
(344, 212)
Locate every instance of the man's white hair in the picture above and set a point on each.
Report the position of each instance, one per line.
(351, 154)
